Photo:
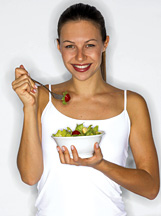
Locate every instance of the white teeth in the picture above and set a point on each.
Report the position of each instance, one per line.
(81, 66)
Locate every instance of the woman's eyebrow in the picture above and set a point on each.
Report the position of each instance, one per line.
(68, 41)
(91, 40)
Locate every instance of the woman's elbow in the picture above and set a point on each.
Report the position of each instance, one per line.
(153, 192)
(30, 177)
(29, 181)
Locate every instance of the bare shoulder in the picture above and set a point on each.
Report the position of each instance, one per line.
(43, 94)
(60, 87)
(136, 106)
(135, 99)
(43, 98)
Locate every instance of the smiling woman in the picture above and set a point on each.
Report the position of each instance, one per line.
(79, 12)
(82, 49)
(71, 185)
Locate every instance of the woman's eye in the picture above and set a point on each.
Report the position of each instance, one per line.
(69, 46)
(90, 45)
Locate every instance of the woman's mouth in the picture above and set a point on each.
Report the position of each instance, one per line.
(81, 67)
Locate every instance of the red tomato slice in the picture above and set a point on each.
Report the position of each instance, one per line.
(75, 132)
(67, 97)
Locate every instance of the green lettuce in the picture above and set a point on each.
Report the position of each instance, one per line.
(84, 131)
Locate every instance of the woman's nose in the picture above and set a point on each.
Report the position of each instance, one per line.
(80, 55)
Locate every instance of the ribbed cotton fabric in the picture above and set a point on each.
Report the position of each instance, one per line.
(67, 190)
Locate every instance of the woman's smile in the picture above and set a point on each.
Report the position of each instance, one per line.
(81, 47)
(81, 67)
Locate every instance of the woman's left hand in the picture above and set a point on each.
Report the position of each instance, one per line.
(93, 161)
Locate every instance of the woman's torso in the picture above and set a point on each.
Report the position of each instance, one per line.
(70, 190)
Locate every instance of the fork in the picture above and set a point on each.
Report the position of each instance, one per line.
(56, 96)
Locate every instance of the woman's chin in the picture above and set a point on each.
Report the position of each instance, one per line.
(82, 77)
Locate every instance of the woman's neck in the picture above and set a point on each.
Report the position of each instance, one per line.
(89, 87)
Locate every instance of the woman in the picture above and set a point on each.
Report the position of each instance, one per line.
(92, 186)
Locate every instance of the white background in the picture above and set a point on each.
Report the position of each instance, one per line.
(27, 36)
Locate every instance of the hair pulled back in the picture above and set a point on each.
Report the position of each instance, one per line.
(85, 12)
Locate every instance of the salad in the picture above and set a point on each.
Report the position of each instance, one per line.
(66, 97)
(80, 130)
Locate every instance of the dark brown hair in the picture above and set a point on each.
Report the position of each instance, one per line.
(85, 12)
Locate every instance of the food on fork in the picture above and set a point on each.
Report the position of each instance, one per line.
(66, 98)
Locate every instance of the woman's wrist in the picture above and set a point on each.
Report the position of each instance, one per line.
(30, 108)
(99, 166)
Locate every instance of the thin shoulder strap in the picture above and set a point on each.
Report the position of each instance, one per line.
(125, 99)
(49, 92)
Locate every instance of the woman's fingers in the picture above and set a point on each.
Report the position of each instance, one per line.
(26, 93)
(61, 155)
(19, 71)
(75, 154)
(76, 160)
(20, 81)
(97, 150)
(23, 79)
(66, 155)
(22, 74)
(21, 66)
(24, 86)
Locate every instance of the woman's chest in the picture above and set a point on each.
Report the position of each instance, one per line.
(90, 110)
(114, 143)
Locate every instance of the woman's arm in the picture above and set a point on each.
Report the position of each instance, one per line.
(29, 160)
(144, 180)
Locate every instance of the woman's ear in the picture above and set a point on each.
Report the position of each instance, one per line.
(58, 44)
(106, 42)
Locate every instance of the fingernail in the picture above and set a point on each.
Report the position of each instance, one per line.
(34, 90)
(35, 86)
(97, 146)
(72, 147)
(57, 149)
(63, 149)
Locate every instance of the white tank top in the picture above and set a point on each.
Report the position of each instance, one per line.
(67, 190)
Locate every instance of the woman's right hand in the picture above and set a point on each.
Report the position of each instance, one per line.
(25, 87)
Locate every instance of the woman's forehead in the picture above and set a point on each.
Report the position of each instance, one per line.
(82, 28)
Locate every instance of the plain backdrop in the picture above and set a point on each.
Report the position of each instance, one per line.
(28, 36)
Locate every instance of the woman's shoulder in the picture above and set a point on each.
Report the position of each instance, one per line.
(60, 87)
(132, 97)
(43, 93)
(56, 88)
(135, 99)
(136, 105)
(43, 98)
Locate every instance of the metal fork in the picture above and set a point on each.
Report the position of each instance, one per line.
(56, 96)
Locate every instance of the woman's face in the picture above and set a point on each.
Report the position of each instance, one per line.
(81, 47)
